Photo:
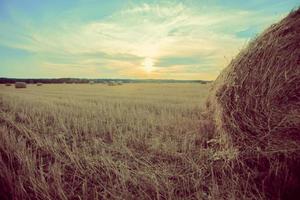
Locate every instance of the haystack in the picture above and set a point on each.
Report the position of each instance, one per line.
(255, 105)
(7, 84)
(258, 94)
(20, 85)
(112, 83)
(39, 84)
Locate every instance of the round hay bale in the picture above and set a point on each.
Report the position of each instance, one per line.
(258, 94)
(39, 84)
(7, 84)
(111, 83)
(20, 85)
(255, 107)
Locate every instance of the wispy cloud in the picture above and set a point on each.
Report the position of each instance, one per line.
(184, 42)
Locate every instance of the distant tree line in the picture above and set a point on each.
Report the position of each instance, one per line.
(80, 80)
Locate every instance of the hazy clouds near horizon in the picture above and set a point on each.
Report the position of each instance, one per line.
(189, 39)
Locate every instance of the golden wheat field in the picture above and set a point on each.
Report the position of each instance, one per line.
(82, 141)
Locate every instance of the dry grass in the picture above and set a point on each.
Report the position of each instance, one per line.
(152, 141)
(255, 106)
(138, 141)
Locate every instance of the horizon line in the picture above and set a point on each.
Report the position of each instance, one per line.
(110, 79)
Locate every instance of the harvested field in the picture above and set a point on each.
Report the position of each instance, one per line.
(65, 141)
(160, 132)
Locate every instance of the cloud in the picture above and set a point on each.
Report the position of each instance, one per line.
(178, 38)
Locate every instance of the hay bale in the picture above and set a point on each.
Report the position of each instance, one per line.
(254, 104)
(258, 94)
(91, 82)
(111, 83)
(39, 84)
(7, 84)
(20, 85)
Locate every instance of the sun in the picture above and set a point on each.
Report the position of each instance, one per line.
(148, 65)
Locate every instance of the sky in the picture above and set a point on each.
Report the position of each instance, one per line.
(135, 39)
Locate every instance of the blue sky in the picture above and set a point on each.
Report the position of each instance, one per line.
(191, 39)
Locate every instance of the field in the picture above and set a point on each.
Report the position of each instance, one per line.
(82, 141)
(235, 138)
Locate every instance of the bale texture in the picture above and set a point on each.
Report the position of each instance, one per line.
(20, 85)
(255, 107)
(258, 94)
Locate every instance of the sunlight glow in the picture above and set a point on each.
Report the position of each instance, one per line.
(192, 39)
(148, 65)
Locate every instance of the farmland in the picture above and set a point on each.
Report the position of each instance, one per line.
(142, 100)
(76, 141)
